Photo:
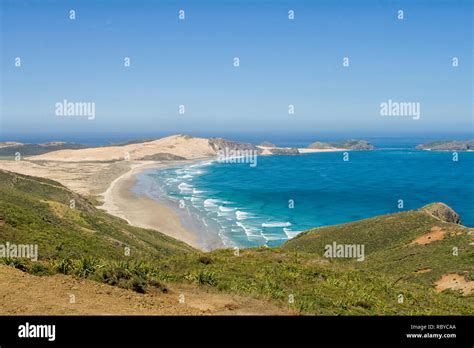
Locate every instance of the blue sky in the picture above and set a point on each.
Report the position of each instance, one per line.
(190, 62)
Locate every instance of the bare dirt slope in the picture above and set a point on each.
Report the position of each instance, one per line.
(25, 294)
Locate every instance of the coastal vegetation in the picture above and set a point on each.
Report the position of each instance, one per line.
(406, 254)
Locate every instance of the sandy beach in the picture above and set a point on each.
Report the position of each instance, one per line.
(145, 212)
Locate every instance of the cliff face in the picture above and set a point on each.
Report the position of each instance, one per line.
(467, 145)
(443, 212)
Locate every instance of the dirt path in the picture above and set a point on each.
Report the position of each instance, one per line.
(25, 294)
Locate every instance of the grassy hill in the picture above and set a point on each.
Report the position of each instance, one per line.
(405, 254)
(404, 257)
(35, 210)
(391, 245)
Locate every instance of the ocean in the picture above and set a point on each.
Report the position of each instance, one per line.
(284, 195)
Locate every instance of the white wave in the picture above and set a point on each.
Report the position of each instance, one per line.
(201, 164)
(211, 202)
(256, 237)
(291, 234)
(273, 237)
(242, 215)
(276, 224)
(249, 231)
(226, 209)
(184, 187)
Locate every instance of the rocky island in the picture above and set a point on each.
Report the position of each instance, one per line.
(359, 145)
(449, 145)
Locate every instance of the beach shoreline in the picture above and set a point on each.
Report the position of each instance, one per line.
(145, 211)
(140, 210)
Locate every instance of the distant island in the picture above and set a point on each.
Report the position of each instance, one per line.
(449, 145)
(267, 144)
(361, 145)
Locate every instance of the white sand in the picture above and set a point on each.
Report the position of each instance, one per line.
(176, 145)
(145, 212)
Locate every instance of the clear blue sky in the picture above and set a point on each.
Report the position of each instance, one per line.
(191, 62)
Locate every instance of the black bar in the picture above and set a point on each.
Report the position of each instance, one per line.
(290, 331)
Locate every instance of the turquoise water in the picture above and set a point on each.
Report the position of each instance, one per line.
(250, 206)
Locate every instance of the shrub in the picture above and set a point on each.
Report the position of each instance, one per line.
(87, 266)
(207, 260)
(159, 285)
(21, 264)
(129, 274)
(137, 284)
(203, 277)
(40, 269)
(64, 266)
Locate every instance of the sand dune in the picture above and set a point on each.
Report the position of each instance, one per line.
(181, 146)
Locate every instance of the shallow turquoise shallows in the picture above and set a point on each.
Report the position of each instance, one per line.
(283, 195)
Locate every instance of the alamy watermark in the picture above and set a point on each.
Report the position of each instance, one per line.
(349, 251)
(402, 109)
(27, 251)
(79, 109)
(227, 155)
(28, 330)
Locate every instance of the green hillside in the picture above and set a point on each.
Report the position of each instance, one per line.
(389, 248)
(38, 211)
(393, 266)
